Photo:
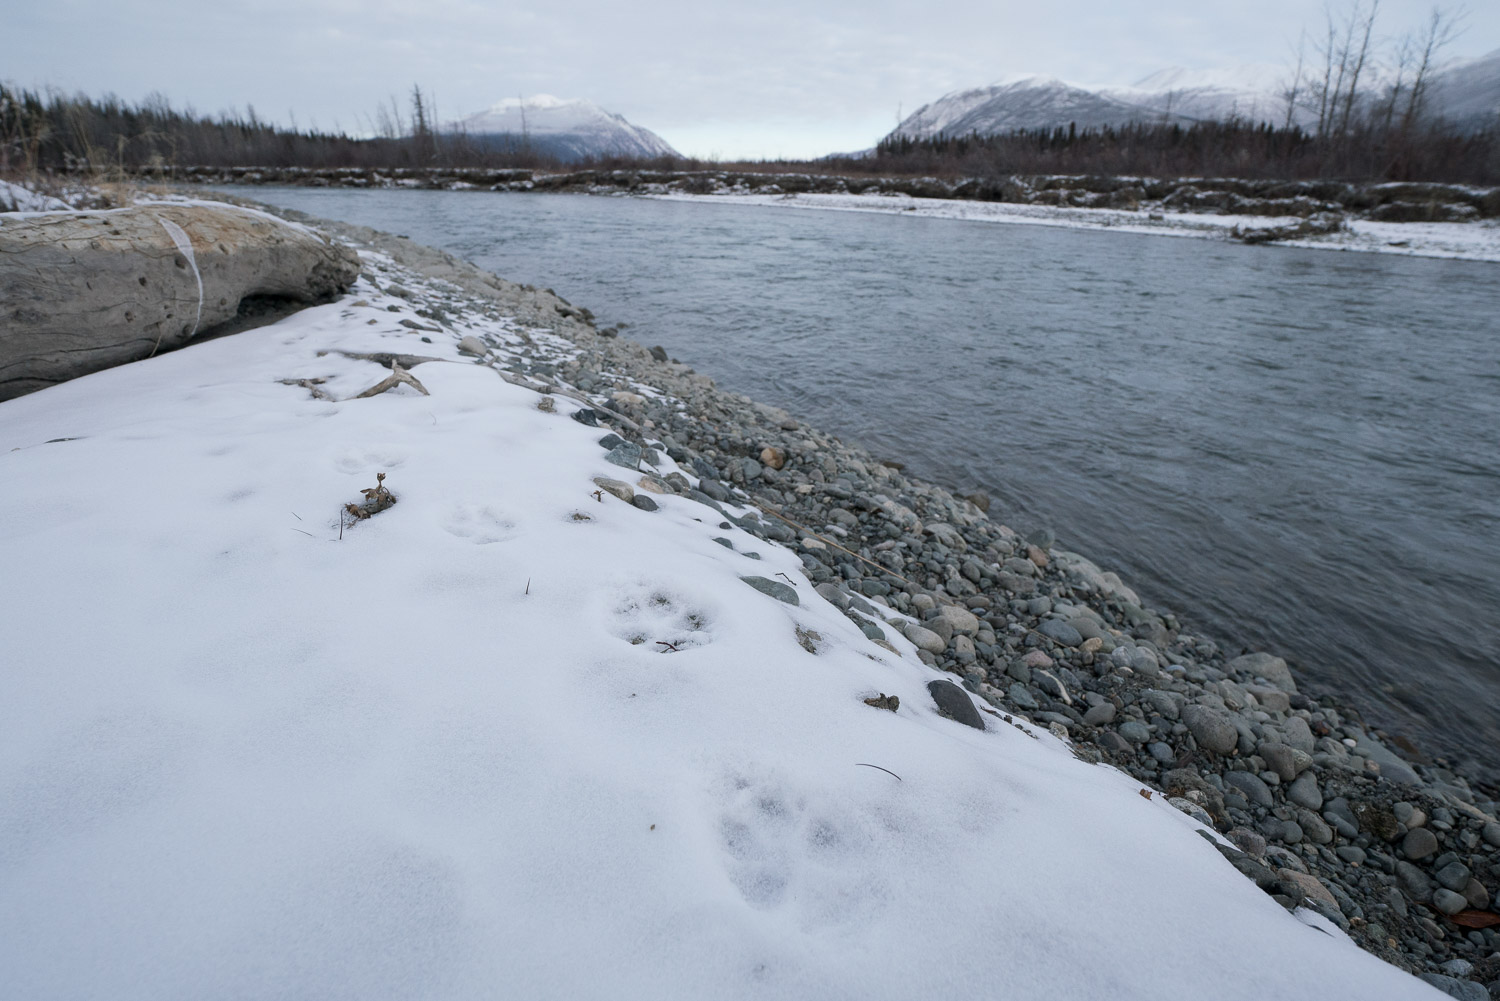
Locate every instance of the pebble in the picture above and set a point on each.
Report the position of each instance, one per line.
(643, 502)
(1098, 715)
(1492, 834)
(1419, 843)
(1060, 631)
(1021, 696)
(1454, 876)
(1304, 791)
(774, 588)
(955, 703)
(924, 639)
(1449, 902)
(624, 491)
(1463, 990)
(1212, 729)
(1134, 731)
(1252, 787)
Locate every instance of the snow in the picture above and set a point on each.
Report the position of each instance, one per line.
(243, 756)
(19, 198)
(1474, 241)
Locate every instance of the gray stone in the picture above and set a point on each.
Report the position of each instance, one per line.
(1299, 735)
(831, 592)
(1313, 827)
(1251, 787)
(643, 502)
(1304, 791)
(1280, 758)
(961, 621)
(1463, 990)
(1448, 902)
(1477, 895)
(82, 292)
(1455, 876)
(1353, 854)
(924, 639)
(626, 454)
(620, 489)
(1270, 699)
(955, 703)
(1391, 766)
(1060, 631)
(1021, 696)
(1161, 752)
(1419, 843)
(1111, 741)
(1134, 731)
(1413, 882)
(774, 588)
(1492, 834)
(1263, 665)
(1211, 728)
(1098, 715)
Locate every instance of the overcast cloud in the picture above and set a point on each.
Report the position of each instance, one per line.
(733, 79)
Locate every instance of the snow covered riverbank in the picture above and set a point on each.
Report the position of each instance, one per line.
(513, 735)
(1471, 241)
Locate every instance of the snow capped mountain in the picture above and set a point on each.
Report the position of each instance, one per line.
(1031, 102)
(567, 128)
(1467, 93)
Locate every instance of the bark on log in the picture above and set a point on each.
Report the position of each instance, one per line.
(84, 291)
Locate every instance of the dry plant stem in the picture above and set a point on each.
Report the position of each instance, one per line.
(828, 542)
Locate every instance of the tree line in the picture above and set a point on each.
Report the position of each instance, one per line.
(71, 134)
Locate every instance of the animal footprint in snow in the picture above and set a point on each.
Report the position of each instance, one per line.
(480, 525)
(662, 621)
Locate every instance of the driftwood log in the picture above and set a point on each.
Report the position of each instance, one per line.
(83, 291)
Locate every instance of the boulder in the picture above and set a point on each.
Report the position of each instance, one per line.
(84, 291)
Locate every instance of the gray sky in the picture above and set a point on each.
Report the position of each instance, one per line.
(768, 78)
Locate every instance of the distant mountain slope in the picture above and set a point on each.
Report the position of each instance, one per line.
(1467, 93)
(1029, 103)
(569, 129)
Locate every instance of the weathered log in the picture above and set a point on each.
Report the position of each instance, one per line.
(84, 291)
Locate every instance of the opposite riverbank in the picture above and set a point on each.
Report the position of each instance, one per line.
(1428, 220)
(886, 570)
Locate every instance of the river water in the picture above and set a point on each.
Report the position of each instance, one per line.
(1294, 450)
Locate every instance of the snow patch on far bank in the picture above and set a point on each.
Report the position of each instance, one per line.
(1473, 241)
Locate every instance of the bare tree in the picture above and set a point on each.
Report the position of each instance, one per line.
(1291, 91)
(1442, 27)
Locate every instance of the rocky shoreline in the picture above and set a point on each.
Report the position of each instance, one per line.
(1402, 856)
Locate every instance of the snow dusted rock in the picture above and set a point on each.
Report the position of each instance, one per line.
(955, 703)
(84, 291)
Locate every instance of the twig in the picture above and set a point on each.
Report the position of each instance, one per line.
(768, 509)
(308, 534)
(296, 515)
(786, 578)
(341, 524)
(892, 774)
(670, 646)
(528, 585)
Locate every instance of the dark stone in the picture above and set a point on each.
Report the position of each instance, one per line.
(584, 415)
(643, 502)
(774, 588)
(659, 353)
(954, 703)
(610, 440)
